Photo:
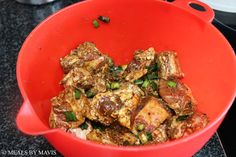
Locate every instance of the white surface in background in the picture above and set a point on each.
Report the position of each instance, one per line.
(222, 5)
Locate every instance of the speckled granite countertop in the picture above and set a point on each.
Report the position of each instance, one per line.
(16, 22)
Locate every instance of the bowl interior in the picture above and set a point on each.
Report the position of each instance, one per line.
(205, 57)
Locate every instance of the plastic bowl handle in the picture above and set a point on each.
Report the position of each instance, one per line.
(197, 8)
(28, 121)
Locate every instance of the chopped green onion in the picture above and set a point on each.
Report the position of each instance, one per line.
(115, 85)
(138, 82)
(149, 136)
(143, 138)
(152, 68)
(112, 68)
(70, 116)
(77, 94)
(171, 84)
(84, 126)
(110, 62)
(116, 69)
(140, 127)
(104, 19)
(153, 85)
(95, 24)
(145, 83)
(182, 118)
(89, 94)
(115, 78)
(108, 85)
(152, 76)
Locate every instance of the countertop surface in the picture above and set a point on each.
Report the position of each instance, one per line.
(16, 22)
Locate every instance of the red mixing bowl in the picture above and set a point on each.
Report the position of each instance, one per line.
(205, 56)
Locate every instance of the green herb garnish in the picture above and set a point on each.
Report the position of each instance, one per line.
(108, 85)
(153, 85)
(84, 126)
(104, 19)
(110, 62)
(182, 118)
(138, 82)
(140, 127)
(152, 76)
(171, 84)
(145, 83)
(116, 69)
(70, 116)
(152, 68)
(115, 78)
(89, 94)
(95, 24)
(149, 136)
(77, 94)
(115, 85)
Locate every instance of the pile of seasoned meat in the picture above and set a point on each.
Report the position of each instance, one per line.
(143, 102)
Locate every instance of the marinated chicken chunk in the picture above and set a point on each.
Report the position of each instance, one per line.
(78, 77)
(136, 74)
(104, 107)
(114, 135)
(115, 105)
(159, 135)
(97, 135)
(97, 66)
(69, 62)
(142, 102)
(99, 85)
(178, 96)
(67, 111)
(149, 114)
(83, 53)
(125, 113)
(130, 95)
(146, 56)
(138, 67)
(196, 122)
(86, 56)
(169, 65)
(179, 126)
